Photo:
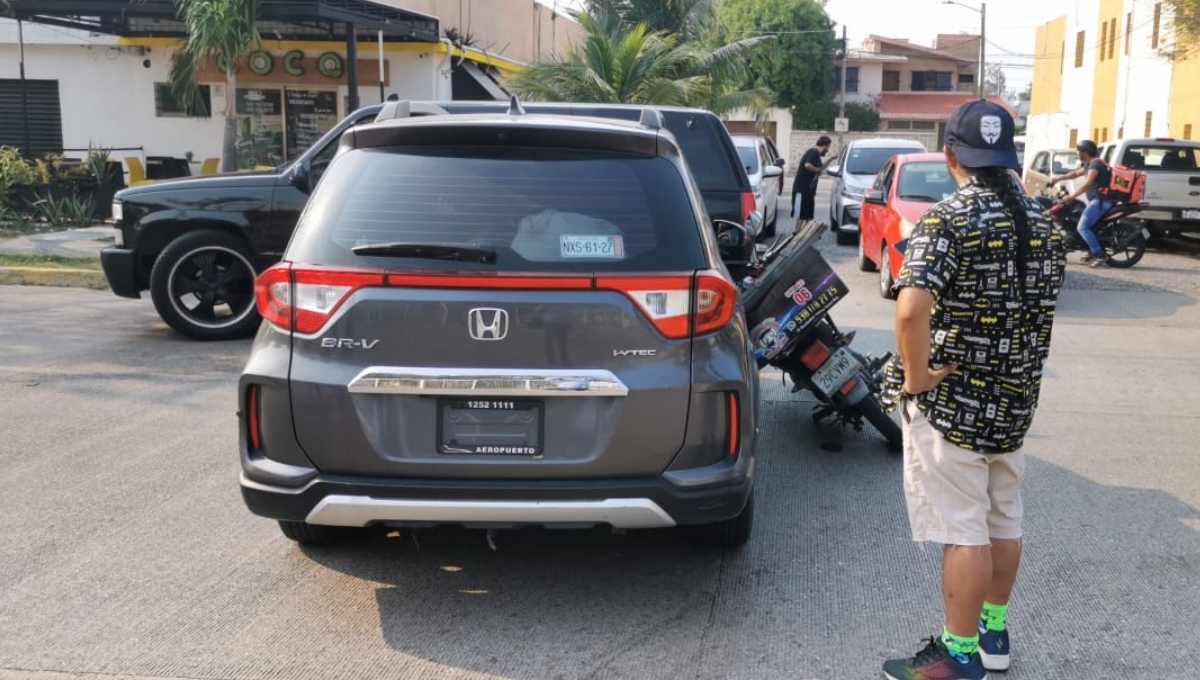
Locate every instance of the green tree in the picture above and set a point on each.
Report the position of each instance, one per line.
(798, 67)
(819, 114)
(683, 18)
(619, 63)
(221, 32)
(1186, 20)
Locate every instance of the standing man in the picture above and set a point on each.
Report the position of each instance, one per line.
(1098, 175)
(805, 183)
(976, 302)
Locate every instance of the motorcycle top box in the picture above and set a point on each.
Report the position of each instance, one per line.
(792, 296)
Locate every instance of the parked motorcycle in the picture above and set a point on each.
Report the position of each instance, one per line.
(1123, 239)
(787, 292)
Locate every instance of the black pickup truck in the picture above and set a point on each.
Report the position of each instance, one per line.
(198, 243)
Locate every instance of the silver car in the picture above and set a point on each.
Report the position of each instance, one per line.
(853, 174)
(498, 320)
(764, 167)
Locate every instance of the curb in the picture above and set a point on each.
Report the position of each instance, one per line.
(66, 278)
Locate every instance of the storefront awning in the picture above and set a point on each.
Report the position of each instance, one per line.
(279, 19)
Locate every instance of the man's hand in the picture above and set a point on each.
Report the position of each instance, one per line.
(924, 382)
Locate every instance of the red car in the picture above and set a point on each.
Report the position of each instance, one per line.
(904, 189)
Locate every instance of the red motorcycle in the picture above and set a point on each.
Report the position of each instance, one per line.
(1123, 239)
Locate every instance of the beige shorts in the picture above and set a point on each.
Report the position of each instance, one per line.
(956, 496)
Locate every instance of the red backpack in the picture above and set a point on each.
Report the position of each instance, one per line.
(1125, 185)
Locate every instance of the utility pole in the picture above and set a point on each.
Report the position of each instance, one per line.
(24, 92)
(982, 48)
(842, 88)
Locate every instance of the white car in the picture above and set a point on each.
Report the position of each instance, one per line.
(853, 174)
(764, 167)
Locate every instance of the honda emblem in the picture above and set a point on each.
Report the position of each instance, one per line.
(487, 323)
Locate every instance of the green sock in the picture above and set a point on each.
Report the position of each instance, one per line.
(960, 647)
(994, 616)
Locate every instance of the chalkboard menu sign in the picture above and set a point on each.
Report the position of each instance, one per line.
(310, 114)
(260, 127)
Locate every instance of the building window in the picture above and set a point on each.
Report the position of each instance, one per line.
(1149, 122)
(1079, 49)
(1103, 39)
(1112, 37)
(851, 79)
(891, 81)
(931, 81)
(1121, 132)
(1095, 134)
(1187, 131)
(1074, 138)
(167, 106)
(1128, 30)
(37, 127)
(924, 125)
(1157, 22)
(966, 78)
(899, 125)
(1103, 135)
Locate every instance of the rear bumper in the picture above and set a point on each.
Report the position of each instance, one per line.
(120, 268)
(620, 503)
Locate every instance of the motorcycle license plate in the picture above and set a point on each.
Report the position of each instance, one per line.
(832, 374)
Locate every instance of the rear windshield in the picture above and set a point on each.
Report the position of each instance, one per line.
(928, 181)
(540, 210)
(1159, 158)
(867, 161)
(749, 156)
(706, 147)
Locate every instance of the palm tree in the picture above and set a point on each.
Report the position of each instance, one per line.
(684, 18)
(619, 63)
(221, 32)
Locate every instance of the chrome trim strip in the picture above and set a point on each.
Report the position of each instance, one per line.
(621, 513)
(491, 382)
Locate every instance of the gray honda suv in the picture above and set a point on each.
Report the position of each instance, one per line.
(499, 320)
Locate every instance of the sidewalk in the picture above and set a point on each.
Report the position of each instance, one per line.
(84, 242)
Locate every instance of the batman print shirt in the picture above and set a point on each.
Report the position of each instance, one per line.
(992, 315)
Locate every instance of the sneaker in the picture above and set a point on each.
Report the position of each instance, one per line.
(1098, 261)
(993, 649)
(935, 663)
(1087, 259)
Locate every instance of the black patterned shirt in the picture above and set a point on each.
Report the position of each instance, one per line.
(991, 316)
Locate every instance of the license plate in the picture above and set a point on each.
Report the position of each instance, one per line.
(607, 247)
(1190, 214)
(496, 427)
(833, 373)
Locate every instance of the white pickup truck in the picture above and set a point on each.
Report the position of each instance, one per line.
(1172, 168)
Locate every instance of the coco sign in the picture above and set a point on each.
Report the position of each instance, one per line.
(329, 64)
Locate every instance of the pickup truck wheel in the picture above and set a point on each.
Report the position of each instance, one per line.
(202, 285)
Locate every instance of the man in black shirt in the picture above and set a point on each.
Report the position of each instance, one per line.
(807, 176)
(1096, 175)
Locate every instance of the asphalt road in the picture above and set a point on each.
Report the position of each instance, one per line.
(127, 553)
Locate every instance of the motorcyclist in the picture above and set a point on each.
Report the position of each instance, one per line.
(1096, 174)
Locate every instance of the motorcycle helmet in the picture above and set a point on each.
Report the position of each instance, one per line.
(1087, 146)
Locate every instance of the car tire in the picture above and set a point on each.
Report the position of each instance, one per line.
(845, 238)
(769, 228)
(864, 263)
(202, 285)
(317, 534)
(885, 274)
(730, 533)
(833, 220)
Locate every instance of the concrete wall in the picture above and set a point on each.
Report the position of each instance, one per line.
(521, 30)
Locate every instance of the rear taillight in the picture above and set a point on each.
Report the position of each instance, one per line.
(734, 434)
(302, 300)
(668, 301)
(253, 419)
(815, 355)
(748, 205)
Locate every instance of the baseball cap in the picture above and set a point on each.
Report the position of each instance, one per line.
(980, 133)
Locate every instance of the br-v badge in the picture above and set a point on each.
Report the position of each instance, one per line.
(487, 323)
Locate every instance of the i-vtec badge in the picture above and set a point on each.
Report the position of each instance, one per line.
(634, 352)
(348, 343)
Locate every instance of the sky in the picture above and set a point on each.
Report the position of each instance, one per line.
(1011, 26)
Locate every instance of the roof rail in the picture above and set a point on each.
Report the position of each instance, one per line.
(406, 109)
(651, 118)
(514, 107)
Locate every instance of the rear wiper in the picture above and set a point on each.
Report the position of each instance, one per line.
(918, 197)
(430, 251)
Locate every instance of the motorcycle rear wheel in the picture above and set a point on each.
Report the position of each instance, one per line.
(871, 410)
(1123, 257)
